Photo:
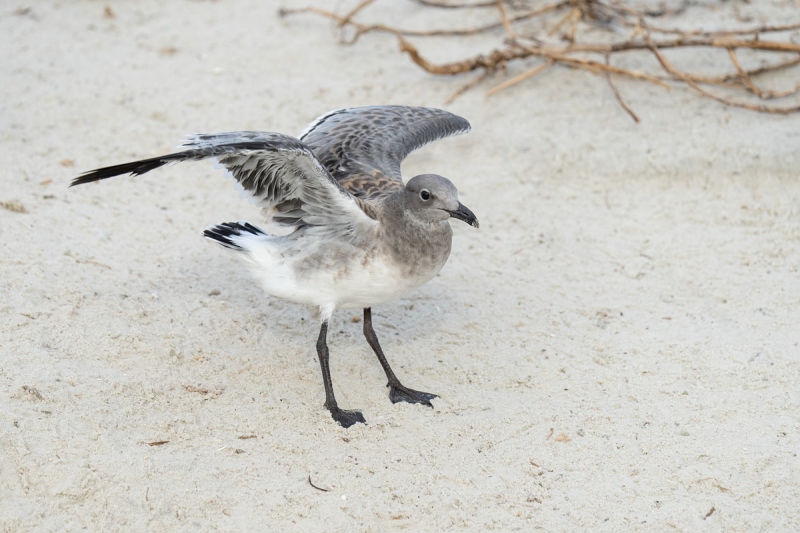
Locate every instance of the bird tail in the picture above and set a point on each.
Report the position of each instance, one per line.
(238, 236)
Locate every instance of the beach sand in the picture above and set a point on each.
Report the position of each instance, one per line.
(615, 349)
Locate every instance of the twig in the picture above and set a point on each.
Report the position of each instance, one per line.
(316, 487)
(347, 18)
(572, 12)
(685, 42)
(573, 28)
(506, 23)
(734, 79)
(723, 33)
(361, 29)
(521, 77)
(497, 57)
(748, 82)
(716, 483)
(618, 96)
(491, 61)
(745, 105)
(91, 262)
(467, 86)
(772, 68)
(588, 64)
(431, 3)
(742, 74)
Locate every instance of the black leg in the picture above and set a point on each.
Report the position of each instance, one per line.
(397, 391)
(345, 418)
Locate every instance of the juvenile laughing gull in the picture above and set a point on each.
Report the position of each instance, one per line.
(360, 238)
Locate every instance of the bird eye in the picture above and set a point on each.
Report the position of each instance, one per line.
(425, 194)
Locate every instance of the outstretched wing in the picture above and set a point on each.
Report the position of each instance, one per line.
(362, 147)
(280, 173)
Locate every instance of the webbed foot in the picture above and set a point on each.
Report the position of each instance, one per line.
(401, 393)
(346, 418)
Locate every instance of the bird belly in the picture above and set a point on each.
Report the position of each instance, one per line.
(341, 276)
(376, 283)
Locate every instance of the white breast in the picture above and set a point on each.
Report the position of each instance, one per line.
(331, 275)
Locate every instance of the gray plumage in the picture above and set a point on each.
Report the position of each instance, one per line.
(360, 236)
(363, 147)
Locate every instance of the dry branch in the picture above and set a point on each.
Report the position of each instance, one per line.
(567, 17)
(467, 86)
(617, 95)
(522, 77)
(431, 3)
(362, 29)
(727, 101)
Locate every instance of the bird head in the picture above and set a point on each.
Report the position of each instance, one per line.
(434, 198)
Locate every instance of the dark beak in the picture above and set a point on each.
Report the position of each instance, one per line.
(463, 213)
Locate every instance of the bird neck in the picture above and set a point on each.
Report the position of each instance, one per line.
(416, 244)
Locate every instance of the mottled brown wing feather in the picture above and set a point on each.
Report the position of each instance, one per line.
(370, 186)
(363, 147)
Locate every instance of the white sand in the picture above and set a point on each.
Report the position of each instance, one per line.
(615, 349)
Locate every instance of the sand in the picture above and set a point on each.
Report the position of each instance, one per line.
(615, 349)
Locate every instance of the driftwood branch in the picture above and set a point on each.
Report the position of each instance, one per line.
(564, 20)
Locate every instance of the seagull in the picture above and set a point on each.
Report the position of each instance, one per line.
(361, 237)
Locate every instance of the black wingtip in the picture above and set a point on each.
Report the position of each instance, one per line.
(133, 168)
(222, 233)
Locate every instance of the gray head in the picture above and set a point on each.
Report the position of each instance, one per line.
(434, 198)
